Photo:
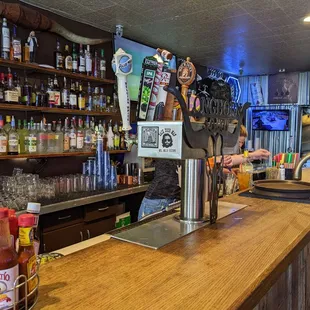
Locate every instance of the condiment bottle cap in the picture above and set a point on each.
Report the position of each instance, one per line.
(26, 220)
(4, 212)
(33, 207)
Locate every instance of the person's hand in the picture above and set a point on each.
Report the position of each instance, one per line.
(259, 154)
(228, 162)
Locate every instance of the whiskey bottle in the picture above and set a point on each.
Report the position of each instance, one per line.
(68, 59)
(26, 93)
(56, 91)
(73, 97)
(16, 46)
(89, 61)
(81, 97)
(58, 57)
(74, 59)
(82, 60)
(65, 95)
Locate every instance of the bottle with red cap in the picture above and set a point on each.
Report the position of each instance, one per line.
(8, 262)
(26, 254)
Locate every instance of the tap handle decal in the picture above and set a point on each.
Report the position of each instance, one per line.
(122, 66)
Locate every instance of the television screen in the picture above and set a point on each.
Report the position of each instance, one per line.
(270, 120)
(138, 52)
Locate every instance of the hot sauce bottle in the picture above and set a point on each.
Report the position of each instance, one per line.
(26, 254)
(8, 263)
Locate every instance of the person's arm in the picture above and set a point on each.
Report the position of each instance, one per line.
(258, 154)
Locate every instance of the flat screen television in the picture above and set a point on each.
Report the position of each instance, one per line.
(139, 52)
(271, 120)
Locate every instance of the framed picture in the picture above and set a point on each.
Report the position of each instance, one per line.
(283, 88)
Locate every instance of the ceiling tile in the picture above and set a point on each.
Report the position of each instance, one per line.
(252, 6)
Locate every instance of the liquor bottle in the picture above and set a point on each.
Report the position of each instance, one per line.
(100, 128)
(59, 137)
(42, 139)
(41, 97)
(72, 136)
(87, 136)
(73, 97)
(16, 46)
(26, 93)
(5, 42)
(13, 139)
(51, 142)
(115, 102)
(65, 95)
(80, 136)
(116, 139)
(74, 59)
(34, 95)
(56, 90)
(7, 125)
(28, 127)
(32, 139)
(104, 137)
(58, 57)
(66, 135)
(89, 102)
(19, 130)
(110, 136)
(81, 97)
(93, 135)
(16, 83)
(10, 93)
(122, 143)
(82, 60)
(26, 53)
(102, 100)
(3, 139)
(89, 62)
(50, 93)
(22, 132)
(96, 106)
(96, 65)
(2, 87)
(68, 59)
(102, 65)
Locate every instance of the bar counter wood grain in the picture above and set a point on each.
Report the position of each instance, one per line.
(254, 258)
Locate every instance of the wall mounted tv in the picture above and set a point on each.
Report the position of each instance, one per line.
(271, 120)
(138, 52)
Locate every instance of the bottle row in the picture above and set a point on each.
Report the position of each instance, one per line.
(68, 96)
(76, 135)
(84, 61)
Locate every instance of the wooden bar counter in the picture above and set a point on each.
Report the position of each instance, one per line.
(255, 258)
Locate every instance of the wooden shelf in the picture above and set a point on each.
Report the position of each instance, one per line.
(20, 107)
(51, 71)
(69, 154)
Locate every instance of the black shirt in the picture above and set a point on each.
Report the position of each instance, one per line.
(165, 182)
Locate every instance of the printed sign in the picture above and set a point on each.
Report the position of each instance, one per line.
(168, 141)
(149, 137)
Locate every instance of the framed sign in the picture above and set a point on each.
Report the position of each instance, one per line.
(283, 88)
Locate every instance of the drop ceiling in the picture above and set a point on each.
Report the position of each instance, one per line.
(264, 35)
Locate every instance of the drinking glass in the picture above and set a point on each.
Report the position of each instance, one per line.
(230, 182)
(244, 179)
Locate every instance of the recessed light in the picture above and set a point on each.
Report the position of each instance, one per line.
(307, 19)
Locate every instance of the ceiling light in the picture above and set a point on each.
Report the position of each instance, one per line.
(307, 19)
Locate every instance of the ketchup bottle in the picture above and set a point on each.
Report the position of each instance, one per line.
(26, 255)
(8, 262)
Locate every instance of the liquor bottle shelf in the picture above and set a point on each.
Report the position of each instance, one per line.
(69, 154)
(52, 71)
(20, 107)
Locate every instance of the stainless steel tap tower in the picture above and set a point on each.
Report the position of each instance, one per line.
(194, 142)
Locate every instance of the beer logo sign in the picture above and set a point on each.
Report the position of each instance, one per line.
(186, 72)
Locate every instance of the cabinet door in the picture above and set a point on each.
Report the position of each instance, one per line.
(97, 228)
(102, 210)
(61, 238)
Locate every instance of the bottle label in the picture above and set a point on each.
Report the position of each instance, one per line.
(68, 63)
(32, 144)
(5, 39)
(66, 142)
(57, 100)
(64, 96)
(17, 50)
(25, 236)
(81, 103)
(72, 139)
(11, 96)
(88, 64)
(82, 64)
(7, 278)
(74, 65)
(19, 90)
(73, 100)
(102, 65)
(13, 144)
(116, 141)
(31, 271)
(3, 144)
(51, 97)
(93, 141)
(59, 61)
(80, 141)
(1, 94)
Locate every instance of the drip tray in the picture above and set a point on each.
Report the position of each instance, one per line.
(282, 189)
(159, 232)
